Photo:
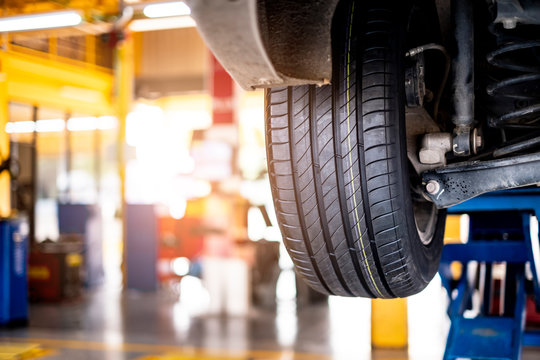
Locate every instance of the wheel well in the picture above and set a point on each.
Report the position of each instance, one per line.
(304, 26)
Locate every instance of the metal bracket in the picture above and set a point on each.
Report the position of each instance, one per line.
(512, 12)
(419, 125)
(434, 148)
(456, 183)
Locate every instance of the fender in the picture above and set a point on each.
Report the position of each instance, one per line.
(253, 39)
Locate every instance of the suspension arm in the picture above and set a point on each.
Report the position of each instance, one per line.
(456, 183)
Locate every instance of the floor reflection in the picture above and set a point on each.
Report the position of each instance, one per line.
(163, 325)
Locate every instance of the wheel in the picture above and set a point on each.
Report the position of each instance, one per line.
(347, 204)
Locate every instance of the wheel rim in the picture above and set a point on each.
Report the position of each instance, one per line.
(425, 213)
(425, 218)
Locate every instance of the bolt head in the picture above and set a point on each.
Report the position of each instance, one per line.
(509, 24)
(433, 187)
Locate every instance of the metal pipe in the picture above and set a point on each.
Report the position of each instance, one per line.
(522, 145)
(443, 51)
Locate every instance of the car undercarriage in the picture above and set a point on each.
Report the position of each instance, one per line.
(380, 115)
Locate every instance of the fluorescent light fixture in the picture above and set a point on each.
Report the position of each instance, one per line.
(23, 127)
(82, 123)
(89, 123)
(166, 9)
(53, 125)
(20, 127)
(40, 21)
(176, 22)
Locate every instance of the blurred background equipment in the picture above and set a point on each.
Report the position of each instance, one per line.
(141, 255)
(265, 274)
(13, 271)
(180, 243)
(56, 269)
(83, 221)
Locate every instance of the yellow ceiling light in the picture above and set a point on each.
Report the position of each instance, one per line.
(41, 21)
(166, 9)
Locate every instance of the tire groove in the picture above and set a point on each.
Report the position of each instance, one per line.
(366, 149)
(379, 160)
(375, 127)
(380, 187)
(377, 98)
(327, 239)
(297, 196)
(363, 186)
(338, 166)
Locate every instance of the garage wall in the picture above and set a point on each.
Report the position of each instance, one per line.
(169, 62)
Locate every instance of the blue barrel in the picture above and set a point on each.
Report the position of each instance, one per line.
(13, 272)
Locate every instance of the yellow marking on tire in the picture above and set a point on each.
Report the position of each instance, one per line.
(350, 156)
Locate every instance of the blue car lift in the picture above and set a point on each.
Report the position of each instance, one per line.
(499, 232)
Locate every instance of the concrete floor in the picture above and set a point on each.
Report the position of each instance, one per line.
(109, 325)
(112, 326)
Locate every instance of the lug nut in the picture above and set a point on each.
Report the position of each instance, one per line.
(433, 187)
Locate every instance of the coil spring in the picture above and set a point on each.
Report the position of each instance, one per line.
(520, 61)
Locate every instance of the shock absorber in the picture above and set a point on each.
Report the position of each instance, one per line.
(518, 90)
(463, 78)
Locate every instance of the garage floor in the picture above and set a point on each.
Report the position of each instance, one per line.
(107, 325)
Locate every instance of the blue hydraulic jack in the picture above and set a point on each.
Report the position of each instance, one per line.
(487, 309)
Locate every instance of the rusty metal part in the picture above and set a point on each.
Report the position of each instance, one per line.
(463, 181)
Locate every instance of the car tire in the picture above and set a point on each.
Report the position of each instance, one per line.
(349, 216)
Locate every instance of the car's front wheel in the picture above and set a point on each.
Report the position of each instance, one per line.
(337, 160)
